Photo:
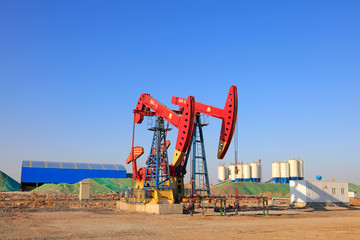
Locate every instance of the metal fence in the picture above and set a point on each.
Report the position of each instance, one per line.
(135, 195)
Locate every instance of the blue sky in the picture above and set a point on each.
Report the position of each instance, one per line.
(72, 71)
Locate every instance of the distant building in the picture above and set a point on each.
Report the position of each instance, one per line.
(36, 173)
(352, 194)
(312, 192)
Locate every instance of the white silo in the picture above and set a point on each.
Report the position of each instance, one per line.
(294, 169)
(227, 172)
(259, 171)
(246, 172)
(276, 171)
(301, 169)
(254, 171)
(221, 173)
(232, 174)
(239, 175)
(284, 172)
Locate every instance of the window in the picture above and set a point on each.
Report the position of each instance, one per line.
(333, 190)
(342, 191)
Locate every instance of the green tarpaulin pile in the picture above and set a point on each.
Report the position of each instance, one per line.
(97, 185)
(8, 184)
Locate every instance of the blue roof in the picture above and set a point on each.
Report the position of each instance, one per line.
(72, 165)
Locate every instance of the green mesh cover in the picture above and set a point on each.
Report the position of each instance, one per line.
(8, 184)
(97, 185)
(111, 185)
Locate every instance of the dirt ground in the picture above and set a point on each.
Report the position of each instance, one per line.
(61, 222)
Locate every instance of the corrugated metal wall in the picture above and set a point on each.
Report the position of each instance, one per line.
(65, 172)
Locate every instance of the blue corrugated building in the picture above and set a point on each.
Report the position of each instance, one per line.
(35, 173)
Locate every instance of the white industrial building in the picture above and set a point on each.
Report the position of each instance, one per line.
(308, 192)
(353, 195)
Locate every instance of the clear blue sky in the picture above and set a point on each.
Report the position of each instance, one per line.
(72, 71)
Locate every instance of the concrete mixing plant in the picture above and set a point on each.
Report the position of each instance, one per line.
(284, 171)
(240, 172)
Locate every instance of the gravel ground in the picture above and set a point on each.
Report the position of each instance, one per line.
(61, 222)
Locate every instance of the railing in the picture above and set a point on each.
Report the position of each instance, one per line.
(262, 204)
(135, 195)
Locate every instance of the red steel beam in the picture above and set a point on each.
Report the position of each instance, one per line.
(149, 106)
(228, 115)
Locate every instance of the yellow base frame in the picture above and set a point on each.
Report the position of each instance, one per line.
(157, 195)
(174, 195)
(177, 184)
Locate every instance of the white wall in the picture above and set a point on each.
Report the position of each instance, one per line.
(313, 191)
(298, 192)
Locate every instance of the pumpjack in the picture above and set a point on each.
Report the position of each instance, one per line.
(156, 176)
(167, 181)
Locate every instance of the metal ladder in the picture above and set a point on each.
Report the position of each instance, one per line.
(157, 171)
(199, 173)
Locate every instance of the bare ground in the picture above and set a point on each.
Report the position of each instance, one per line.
(62, 222)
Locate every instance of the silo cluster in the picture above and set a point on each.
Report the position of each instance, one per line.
(240, 172)
(284, 171)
